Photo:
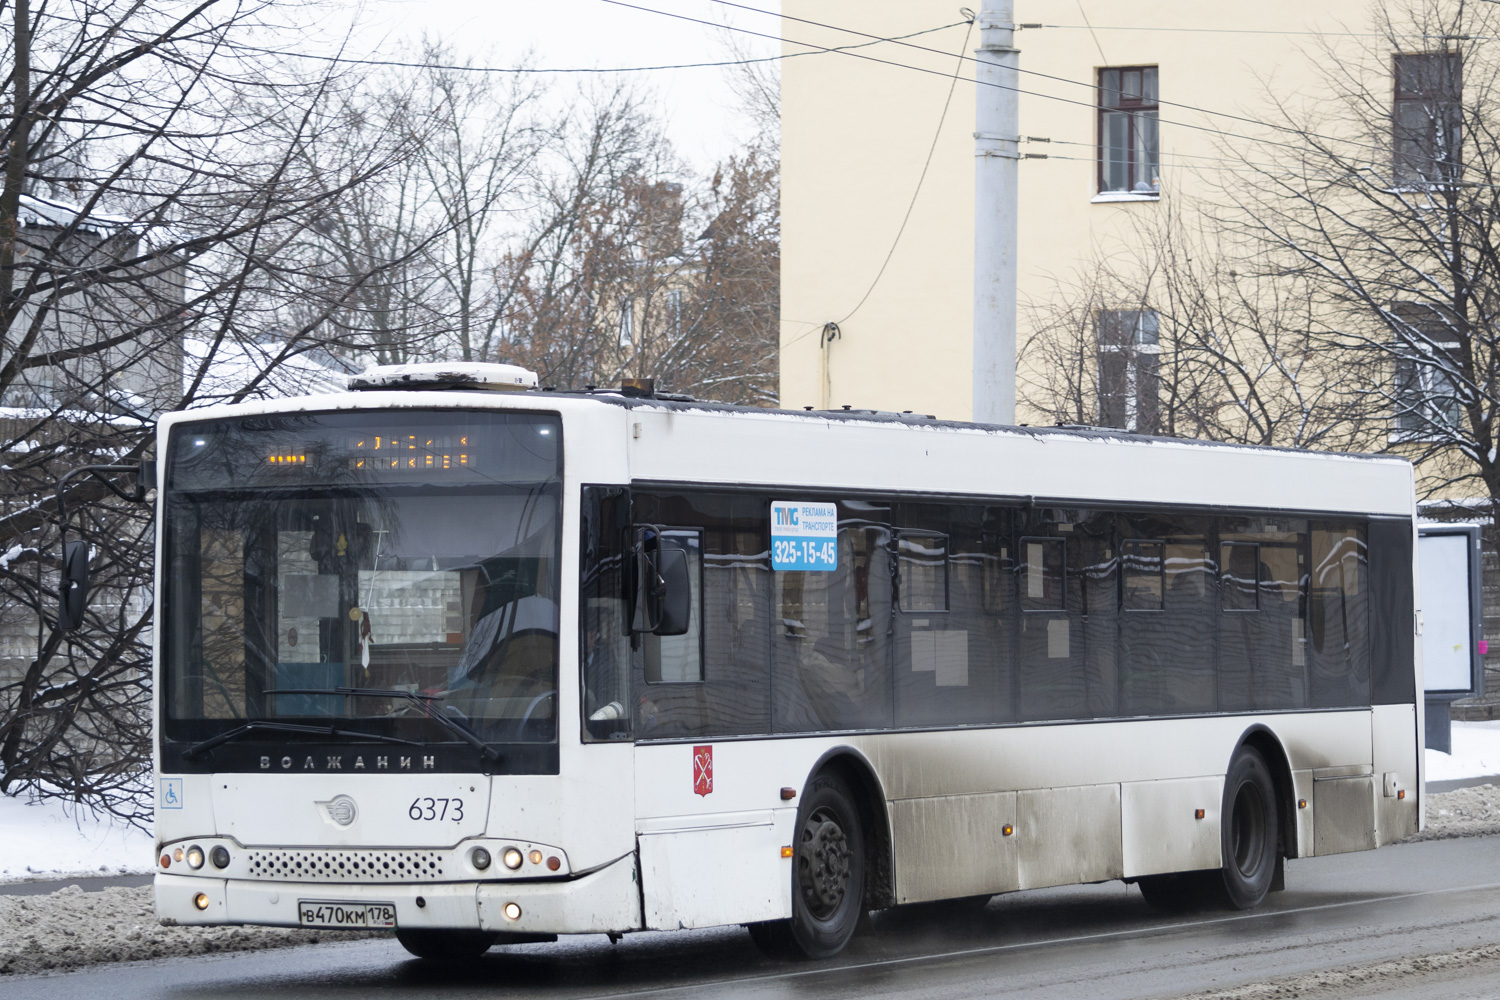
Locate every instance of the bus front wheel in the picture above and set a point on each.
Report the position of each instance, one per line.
(448, 945)
(828, 876)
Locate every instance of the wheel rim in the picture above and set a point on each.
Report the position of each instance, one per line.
(823, 863)
(1248, 830)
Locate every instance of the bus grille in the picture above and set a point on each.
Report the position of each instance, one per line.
(345, 866)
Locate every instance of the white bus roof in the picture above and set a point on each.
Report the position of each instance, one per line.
(700, 442)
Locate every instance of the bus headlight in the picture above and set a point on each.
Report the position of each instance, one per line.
(480, 858)
(195, 857)
(512, 858)
(219, 856)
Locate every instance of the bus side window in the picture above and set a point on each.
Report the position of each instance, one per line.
(831, 649)
(1041, 576)
(922, 568)
(1144, 565)
(1337, 630)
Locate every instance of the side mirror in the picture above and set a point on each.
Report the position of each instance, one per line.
(663, 584)
(677, 591)
(73, 588)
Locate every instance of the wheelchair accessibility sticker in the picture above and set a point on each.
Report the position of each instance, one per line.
(171, 793)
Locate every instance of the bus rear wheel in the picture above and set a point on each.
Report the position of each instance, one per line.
(1247, 830)
(446, 945)
(828, 877)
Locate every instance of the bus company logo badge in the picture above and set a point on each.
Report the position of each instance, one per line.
(703, 770)
(340, 809)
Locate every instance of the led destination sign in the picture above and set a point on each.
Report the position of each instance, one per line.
(393, 452)
(328, 449)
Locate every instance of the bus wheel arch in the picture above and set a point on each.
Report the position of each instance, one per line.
(1274, 754)
(869, 798)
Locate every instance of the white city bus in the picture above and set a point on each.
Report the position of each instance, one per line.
(486, 665)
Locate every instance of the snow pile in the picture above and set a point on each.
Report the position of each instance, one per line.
(54, 839)
(1476, 753)
(71, 928)
(1463, 812)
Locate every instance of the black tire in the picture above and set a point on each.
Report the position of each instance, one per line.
(445, 945)
(828, 877)
(1247, 830)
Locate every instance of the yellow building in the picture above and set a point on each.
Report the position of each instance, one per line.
(857, 133)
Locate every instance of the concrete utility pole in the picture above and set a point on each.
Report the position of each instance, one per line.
(996, 157)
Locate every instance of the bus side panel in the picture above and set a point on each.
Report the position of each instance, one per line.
(711, 823)
(732, 874)
(1394, 732)
(1345, 807)
(1160, 829)
(955, 845)
(1069, 835)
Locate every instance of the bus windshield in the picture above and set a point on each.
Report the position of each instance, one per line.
(411, 553)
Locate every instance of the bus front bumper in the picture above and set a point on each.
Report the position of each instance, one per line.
(600, 901)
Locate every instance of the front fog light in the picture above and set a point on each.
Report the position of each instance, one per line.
(195, 857)
(512, 858)
(201, 901)
(219, 856)
(480, 858)
(512, 911)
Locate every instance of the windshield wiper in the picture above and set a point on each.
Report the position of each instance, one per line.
(449, 723)
(266, 726)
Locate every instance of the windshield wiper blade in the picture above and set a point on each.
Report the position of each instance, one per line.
(266, 726)
(449, 723)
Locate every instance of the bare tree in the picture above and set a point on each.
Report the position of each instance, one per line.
(159, 218)
(1384, 203)
(1182, 336)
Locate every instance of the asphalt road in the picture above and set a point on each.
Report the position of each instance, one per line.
(88, 883)
(1353, 911)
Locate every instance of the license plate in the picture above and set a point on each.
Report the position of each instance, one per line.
(317, 913)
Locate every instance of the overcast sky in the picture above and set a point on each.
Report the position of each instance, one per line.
(697, 103)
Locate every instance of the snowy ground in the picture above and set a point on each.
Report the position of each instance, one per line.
(52, 839)
(1476, 753)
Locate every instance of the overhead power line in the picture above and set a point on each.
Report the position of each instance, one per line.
(1030, 72)
(1307, 32)
(559, 70)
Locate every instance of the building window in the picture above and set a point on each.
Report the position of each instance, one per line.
(1129, 151)
(627, 322)
(1427, 118)
(674, 312)
(1426, 398)
(1129, 379)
